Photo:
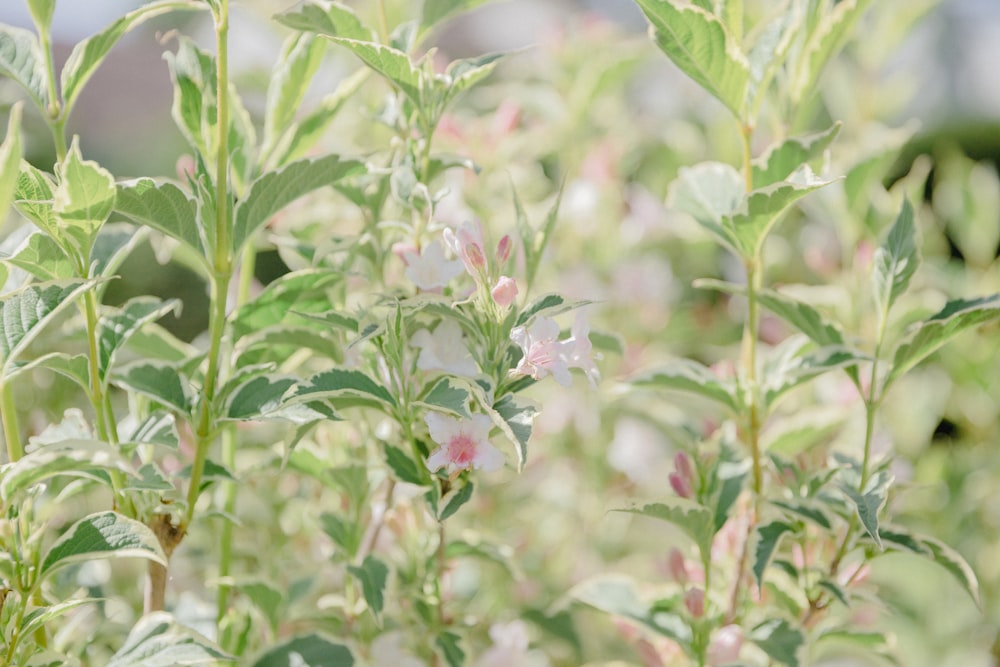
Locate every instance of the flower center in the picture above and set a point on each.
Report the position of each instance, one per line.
(462, 450)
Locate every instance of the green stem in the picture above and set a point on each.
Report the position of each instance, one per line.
(223, 268)
(750, 343)
(11, 431)
(383, 23)
(226, 537)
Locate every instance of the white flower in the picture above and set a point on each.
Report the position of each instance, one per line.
(388, 651)
(510, 647)
(429, 270)
(543, 354)
(444, 350)
(578, 351)
(464, 443)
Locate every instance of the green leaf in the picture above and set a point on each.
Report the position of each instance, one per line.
(10, 159)
(21, 60)
(447, 644)
(708, 192)
(24, 313)
(118, 325)
(33, 196)
(160, 381)
(87, 55)
(149, 477)
(300, 137)
(372, 574)
(102, 535)
(895, 261)
(394, 65)
(83, 199)
(345, 534)
(768, 537)
(803, 508)
(547, 305)
(284, 300)
(322, 17)
(311, 650)
(899, 539)
(276, 189)
(334, 318)
(266, 598)
(159, 428)
(257, 398)
(41, 13)
(74, 367)
(696, 520)
(782, 159)
(701, 46)
(803, 317)
(404, 467)
(929, 335)
(446, 394)
(464, 73)
(43, 258)
(827, 38)
(113, 245)
(163, 207)
(761, 209)
(455, 501)
(77, 458)
(870, 501)
(38, 617)
(300, 58)
(435, 11)
(792, 363)
(514, 416)
(157, 641)
(339, 382)
(534, 241)
(779, 640)
(618, 595)
(690, 376)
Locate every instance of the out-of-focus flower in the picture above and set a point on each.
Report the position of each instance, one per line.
(388, 651)
(543, 353)
(682, 479)
(510, 647)
(725, 644)
(503, 249)
(444, 350)
(466, 241)
(578, 351)
(677, 566)
(637, 449)
(505, 291)
(430, 270)
(464, 443)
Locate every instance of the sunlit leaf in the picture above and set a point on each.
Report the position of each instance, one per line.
(930, 334)
(709, 192)
(515, 416)
(323, 17)
(43, 258)
(162, 206)
(692, 377)
(118, 325)
(701, 46)
(298, 62)
(343, 382)
(619, 596)
(88, 54)
(10, 158)
(696, 520)
(435, 11)
(827, 38)
(779, 161)
(258, 398)
(277, 189)
(448, 395)
(394, 65)
(102, 535)
(21, 60)
(158, 641)
(159, 381)
(25, 312)
(83, 199)
(895, 261)
(895, 538)
(79, 458)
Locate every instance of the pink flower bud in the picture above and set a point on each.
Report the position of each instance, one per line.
(725, 645)
(682, 464)
(474, 256)
(694, 602)
(505, 291)
(676, 566)
(503, 249)
(680, 485)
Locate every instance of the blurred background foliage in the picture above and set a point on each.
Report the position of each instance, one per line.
(586, 104)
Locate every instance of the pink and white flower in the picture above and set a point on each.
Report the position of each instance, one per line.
(510, 647)
(464, 443)
(543, 353)
(466, 242)
(429, 269)
(444, 349)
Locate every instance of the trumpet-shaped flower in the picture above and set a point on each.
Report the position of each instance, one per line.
(430, 270)
(466, 241)
(505, 291)
(464, 443)
(543, 353)
(444, 350)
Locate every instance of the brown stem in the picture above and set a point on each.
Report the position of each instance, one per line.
(169, 537)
